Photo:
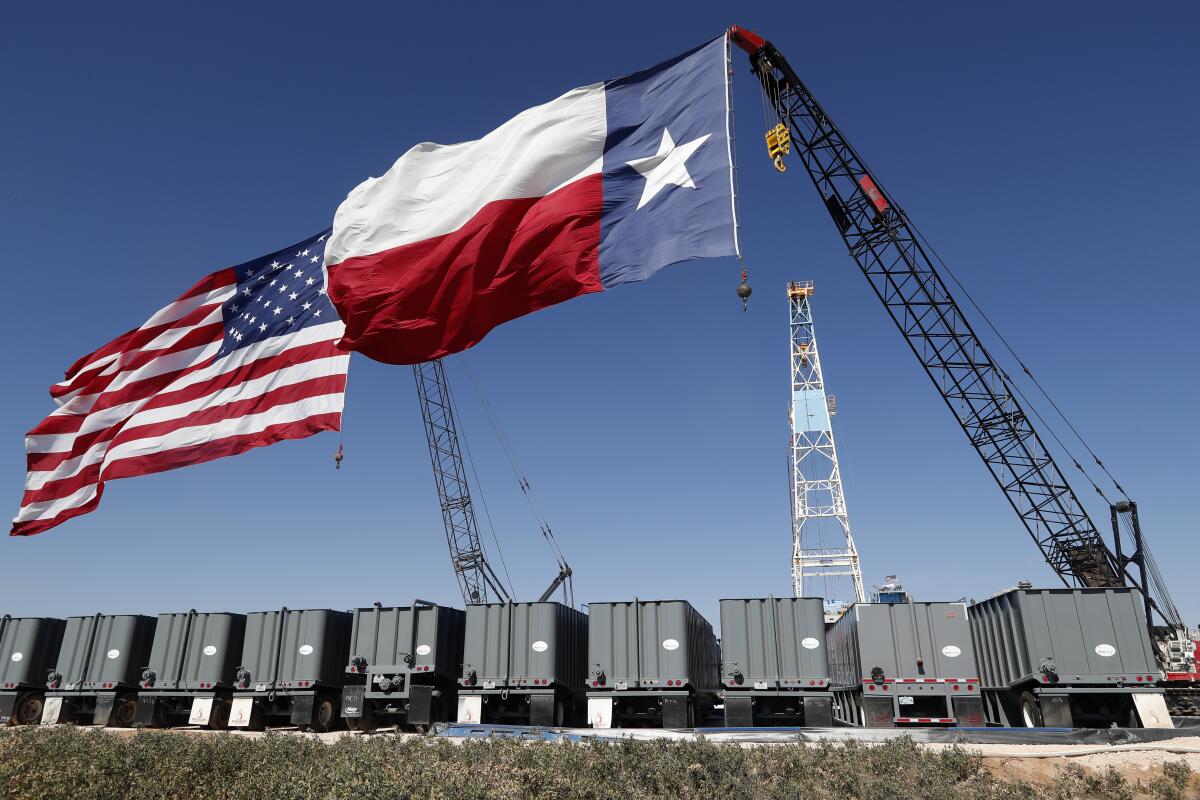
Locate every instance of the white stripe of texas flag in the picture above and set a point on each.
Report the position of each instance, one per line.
(536, 152)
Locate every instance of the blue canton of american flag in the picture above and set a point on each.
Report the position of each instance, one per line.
(278, 294)
(247, 357)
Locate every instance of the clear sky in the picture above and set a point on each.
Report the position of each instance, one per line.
(1047, 149)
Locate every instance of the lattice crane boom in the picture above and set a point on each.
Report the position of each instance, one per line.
(476, 579)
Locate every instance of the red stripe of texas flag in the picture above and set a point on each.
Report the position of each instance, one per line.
(431, 298)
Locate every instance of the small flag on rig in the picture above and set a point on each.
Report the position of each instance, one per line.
(245, 358)
(605, 185)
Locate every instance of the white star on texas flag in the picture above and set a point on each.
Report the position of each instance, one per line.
(667, 166)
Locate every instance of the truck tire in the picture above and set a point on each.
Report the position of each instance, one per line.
(324, 715)
(28, 710)
(1031, 710)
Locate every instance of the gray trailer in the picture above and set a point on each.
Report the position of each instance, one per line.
(190, 676)
(292, 669)
(95, 676)
(403, 666)
(904, 664)
(653, 663)
(523, 663)
(28, 649)
(1067, 658)
(774, 666)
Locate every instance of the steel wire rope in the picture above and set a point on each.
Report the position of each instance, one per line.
(774, 99)
(522, 481)
(1029, 373)
(479, 491)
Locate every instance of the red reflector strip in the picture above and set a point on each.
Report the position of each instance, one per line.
(872, 192)
(925, 719)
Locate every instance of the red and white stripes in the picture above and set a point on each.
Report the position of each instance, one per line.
(157, 397)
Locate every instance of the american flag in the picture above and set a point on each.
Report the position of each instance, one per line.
(245, 358)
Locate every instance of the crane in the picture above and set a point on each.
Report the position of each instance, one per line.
(982, 397)
(477, 580)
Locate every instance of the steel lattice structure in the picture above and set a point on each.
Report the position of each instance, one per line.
(888, 250)
(816, 477)
(475, 576)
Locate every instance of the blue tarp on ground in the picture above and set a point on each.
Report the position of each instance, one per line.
(1060, 736)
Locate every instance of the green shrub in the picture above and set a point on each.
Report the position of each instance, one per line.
(64, 762)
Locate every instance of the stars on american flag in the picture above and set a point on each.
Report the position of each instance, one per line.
(290, 289)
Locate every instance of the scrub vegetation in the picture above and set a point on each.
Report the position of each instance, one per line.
(65, 762)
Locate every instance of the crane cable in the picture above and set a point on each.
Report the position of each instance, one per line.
(1029, 373)
(772, 104)
(479, 490)
(509, 453)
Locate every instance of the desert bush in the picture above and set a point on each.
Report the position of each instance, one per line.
(63, 762)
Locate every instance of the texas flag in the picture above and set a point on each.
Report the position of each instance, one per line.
(605, 185)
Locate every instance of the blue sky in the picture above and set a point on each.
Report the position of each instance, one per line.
(1048, 150)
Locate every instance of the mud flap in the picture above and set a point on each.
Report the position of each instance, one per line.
(1152, 711)
(201, 712)
(470, 708)
(144, 716)
(7, 703)
(818, 712)
(969, 712)
(52, 711)
(103, 711)
(541, 710)
(600, 712)
(420, 705)
(241, 712)
(354, 699)
(675, 712)
(302, 709)
(878, 712)
(739, 711)
(1056, 711)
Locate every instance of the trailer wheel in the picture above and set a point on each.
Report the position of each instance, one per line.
(325, 716)
(1031, 710)
(28, 710)
(123, 712)
(219, 719)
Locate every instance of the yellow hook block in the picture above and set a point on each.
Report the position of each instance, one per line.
(779, 144)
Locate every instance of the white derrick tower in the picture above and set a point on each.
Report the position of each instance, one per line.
(822, 545)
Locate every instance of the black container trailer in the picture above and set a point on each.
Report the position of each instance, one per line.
(403, 666)
(653, 663)
(28, 649)
(191, 673)
(904, 664)
(1068, 658)
(95, 677)
(292, 669)
(774, 666)
(523, 663)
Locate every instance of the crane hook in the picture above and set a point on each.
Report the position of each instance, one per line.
(744, 290)
(337, 459)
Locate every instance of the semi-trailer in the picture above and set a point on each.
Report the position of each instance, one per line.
(403, 666)
(1067, 658)
(95, 676)
(28, 649)
(652, 663)
(904, 664)
(774, 663)
(292, 669)
(523, 663)
(190, 676)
